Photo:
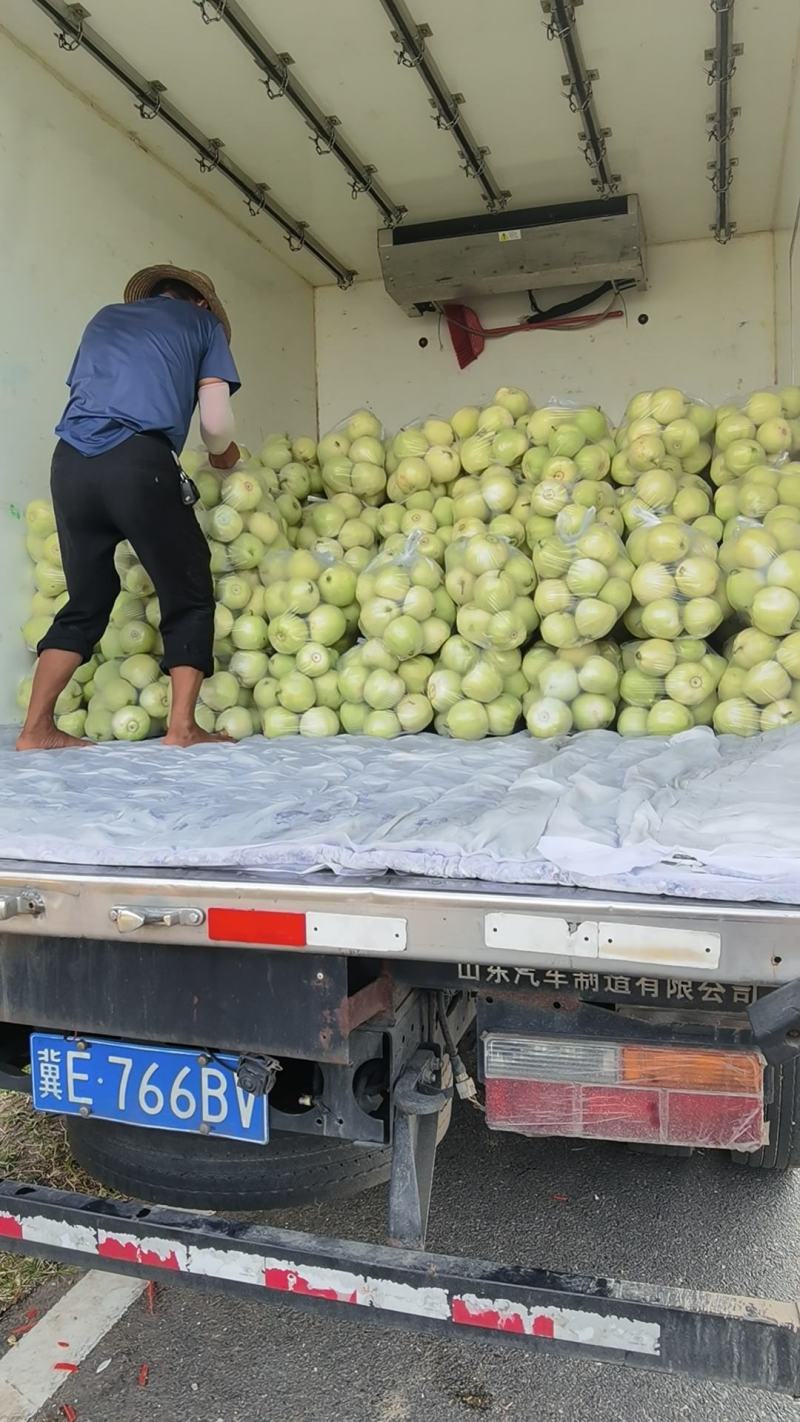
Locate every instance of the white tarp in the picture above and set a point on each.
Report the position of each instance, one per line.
(698, 815)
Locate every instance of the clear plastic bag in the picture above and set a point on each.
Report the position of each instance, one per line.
(240, 538)
(661, 429)
(307, 598)
(496, 501)
(765, 491)
(685, 497)
(677, 584)
(424, 454)
(584, 579)
(565, 429)
(668, 686)
(341, 527)
(291, 692)
(573, 689)
(569, 460)
(352, 458)
(761, 560)
(474, 692)
(490, 581)
(495, 435)
(402, 600)
(760, 428)
(760, 687)
(382, 696)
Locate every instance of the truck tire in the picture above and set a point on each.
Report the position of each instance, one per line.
(194, 1172)
(783, 1117)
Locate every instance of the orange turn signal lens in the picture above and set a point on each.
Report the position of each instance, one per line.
(692, 1069)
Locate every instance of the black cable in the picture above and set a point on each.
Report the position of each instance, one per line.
(449, 1041)
(577, 303)
(212, 1055)
(566, 308)
(465, 1086)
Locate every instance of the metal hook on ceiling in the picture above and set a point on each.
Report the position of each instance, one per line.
(253, 207)
(396, 217)
(363, 185)
(555, 31)
(277, 89)
(570, 91)
(70, 42)
(409, 59)
(297, 240)
(473, 170)
(447, 122)
(721, 178)
(575, 105)
(593, 155)
(208, 164)
(716, 134)
(211, 11)
(722, 74)
(326, 144)
(150, 107)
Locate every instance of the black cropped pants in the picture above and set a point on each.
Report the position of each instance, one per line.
(130, 492)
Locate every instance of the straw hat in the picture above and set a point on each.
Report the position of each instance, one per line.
(141, 286)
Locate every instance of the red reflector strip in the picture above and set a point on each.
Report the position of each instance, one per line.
(280, 930)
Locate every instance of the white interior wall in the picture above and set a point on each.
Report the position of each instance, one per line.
(710, 329)
(787, 262)
(83, 207)
(785, 339)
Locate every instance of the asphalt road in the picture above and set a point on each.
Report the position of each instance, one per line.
(694, 1222)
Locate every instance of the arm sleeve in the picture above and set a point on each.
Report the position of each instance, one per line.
(217, 362)
(217, 427)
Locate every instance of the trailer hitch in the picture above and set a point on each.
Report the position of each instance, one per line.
(419, 1100)
(775, 1023)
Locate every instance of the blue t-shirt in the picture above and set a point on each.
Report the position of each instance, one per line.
(138, 367)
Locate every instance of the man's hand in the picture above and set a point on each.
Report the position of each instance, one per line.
(227, 459)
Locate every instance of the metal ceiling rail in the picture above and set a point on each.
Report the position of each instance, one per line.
(722, 67)
(149, 97)
(413, 54)
(281, 82)
(578, 90)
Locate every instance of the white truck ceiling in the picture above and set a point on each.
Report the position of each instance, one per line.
(652, 92)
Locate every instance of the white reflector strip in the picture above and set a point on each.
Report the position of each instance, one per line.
(670, 947)
(539, 933)
(343, 1286)
(359, 932)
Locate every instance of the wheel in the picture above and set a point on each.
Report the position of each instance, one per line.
(195, 1172)
(200, 1173)
(783, 1118)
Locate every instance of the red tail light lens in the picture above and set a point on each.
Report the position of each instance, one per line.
(548, 1087)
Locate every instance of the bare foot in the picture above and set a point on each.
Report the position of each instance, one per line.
(49, 740)
(196, 736)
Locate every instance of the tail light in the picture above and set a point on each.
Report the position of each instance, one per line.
(655, 1095)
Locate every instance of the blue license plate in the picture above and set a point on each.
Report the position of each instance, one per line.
(163, 1088)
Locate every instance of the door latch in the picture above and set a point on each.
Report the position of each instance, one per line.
(27, 901)
(129, 920)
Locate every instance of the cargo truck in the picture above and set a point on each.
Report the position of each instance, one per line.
(233, 1039)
